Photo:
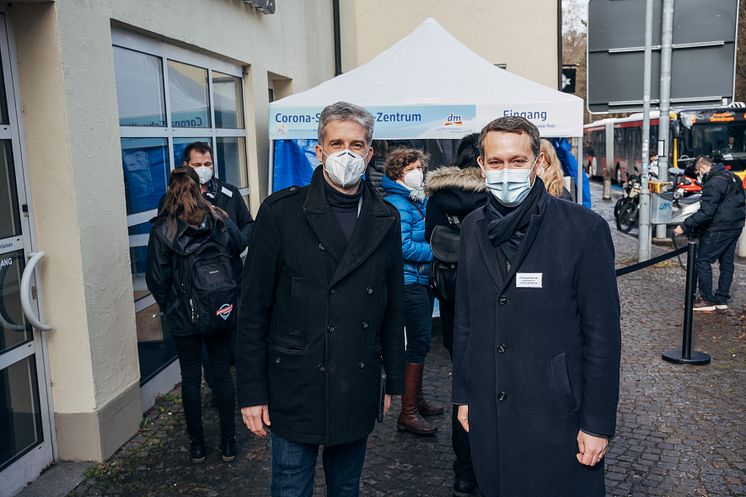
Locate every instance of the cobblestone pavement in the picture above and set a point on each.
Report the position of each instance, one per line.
(681, 430)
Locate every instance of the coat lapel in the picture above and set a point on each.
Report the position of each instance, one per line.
(322, 219)
(374, 221)
(488, 251)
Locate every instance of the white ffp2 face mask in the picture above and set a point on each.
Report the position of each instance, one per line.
(345, 167)
(204, 173)
(414, 179)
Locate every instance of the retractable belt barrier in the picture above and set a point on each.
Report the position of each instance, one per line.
(685, 355)
(655, 260)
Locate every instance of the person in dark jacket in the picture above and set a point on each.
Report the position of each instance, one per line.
(198, 155)
(321, 313)
(403, 185)
(720, 219)
(454, 192)
(185, 222)
(537, 334)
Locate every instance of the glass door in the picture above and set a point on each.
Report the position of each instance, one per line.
(25, 435)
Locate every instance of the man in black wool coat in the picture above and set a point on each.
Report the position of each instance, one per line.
(321, 313)
(536, 334)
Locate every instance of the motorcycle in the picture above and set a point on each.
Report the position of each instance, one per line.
(684, 195)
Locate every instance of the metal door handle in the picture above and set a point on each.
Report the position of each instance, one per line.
(28, 308)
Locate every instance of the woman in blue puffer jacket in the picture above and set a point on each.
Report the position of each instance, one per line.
(403, 186)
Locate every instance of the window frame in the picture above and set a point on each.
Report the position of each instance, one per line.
(166, 52)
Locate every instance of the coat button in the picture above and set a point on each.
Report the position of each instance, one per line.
(501, 348)
(278, 360)
(361, 364)
(369, 290)
(502, 396)
(503, 300)
(330, 328)
(322, 368)
(322, 248)
(332, 291)
(364, 324)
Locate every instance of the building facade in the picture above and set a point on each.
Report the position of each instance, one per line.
(522, 37)
(97, 102)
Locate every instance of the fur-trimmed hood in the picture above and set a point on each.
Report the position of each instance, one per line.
(452, 177)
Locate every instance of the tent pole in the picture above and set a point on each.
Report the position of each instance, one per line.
(579, 179)
(271, 168)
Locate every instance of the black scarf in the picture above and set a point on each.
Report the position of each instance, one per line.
(507, 226)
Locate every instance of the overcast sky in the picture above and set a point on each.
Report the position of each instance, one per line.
(573, 12)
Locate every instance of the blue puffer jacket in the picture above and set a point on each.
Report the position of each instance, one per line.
(415, 250)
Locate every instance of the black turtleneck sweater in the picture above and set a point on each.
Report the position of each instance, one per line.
(345, 207)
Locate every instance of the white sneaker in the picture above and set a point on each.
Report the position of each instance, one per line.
(721, 307)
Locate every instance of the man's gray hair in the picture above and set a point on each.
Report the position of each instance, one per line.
(343, 111)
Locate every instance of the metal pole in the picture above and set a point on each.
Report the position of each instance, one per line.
(665, 100)
(685, 355)
(644, 238)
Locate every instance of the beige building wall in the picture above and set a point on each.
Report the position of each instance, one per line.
(69, 101)
(519, 33)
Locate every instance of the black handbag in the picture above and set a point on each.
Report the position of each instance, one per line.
(444, 244)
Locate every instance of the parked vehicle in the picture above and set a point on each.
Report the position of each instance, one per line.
(684, 194)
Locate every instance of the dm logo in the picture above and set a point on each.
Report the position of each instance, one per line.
(453, 120)
(225, 311)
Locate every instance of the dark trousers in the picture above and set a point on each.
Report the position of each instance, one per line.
(189, 350)
(209, 377)
(293, 466)
(462, 467)
(418, 320)
(716, 246)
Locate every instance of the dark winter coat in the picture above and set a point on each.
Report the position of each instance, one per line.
(166, 246)
(723, 204)
(538, 359)
(415, 250)
(452, 191)
(318, 316)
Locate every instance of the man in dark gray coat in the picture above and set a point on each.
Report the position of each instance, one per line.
(321, 312)
(537, 335)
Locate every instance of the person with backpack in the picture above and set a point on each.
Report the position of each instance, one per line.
(719, 220)
(191, 277)
(453, 192)
(403, 186)
(199, 156)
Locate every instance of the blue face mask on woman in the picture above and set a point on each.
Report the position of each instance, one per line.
(510, 186)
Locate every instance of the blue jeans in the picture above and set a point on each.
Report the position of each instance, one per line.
(716, 246)
(418, 320)
(293, 466)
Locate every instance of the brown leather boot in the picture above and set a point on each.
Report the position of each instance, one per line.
(425, 407)
(409, 417)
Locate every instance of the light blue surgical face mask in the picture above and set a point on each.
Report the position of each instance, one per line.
(510, 186)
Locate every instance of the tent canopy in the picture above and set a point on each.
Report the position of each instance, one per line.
(430, 85)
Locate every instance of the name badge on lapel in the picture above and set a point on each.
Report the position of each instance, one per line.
(528, 280)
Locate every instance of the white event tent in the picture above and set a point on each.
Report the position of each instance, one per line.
(429, 85)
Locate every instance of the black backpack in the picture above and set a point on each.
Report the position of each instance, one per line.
(207, 288)
(444, 244)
